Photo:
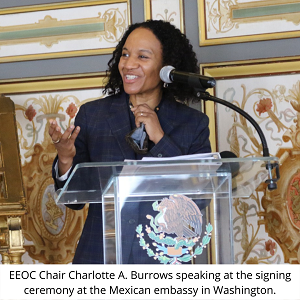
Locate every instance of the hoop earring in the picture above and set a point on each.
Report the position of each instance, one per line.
(165, 85)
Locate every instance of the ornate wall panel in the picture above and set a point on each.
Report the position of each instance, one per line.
(266, 226)
(62, 29)
(235, 21)
(167, 10)
(51, 231)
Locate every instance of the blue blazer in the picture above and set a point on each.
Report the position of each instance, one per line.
(104, 124)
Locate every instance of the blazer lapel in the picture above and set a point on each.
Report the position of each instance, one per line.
(119, 122)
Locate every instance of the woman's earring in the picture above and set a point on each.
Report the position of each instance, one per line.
(165, 85)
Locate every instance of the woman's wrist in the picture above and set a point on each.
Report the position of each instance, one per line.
(64, 166)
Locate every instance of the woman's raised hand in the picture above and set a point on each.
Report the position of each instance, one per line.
(64, 144)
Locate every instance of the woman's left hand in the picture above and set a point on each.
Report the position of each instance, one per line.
(144, 114)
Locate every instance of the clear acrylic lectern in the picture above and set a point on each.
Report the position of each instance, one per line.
(179, 210)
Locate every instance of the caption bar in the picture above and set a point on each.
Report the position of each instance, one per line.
(150, 282)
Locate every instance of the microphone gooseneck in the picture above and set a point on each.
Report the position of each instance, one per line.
(245, 115)
(272, 182)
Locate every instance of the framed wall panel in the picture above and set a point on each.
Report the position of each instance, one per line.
(266, 225)
(51, 231)
(167, 10)
(236, 21)
(76, 28)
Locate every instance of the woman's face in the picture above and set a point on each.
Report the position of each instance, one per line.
(140, 64)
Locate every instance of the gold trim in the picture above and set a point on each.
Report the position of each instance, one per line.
(56, 55)
(147, 10)
(203, 41)
(52, 83)
(276, 216)
(263, 3)
(72, 4)
(182, 28)
(252, 67)
(12, 196)
(249, 38)
(201, 23)
(74, 53)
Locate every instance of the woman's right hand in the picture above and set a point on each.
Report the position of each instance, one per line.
(64, 144)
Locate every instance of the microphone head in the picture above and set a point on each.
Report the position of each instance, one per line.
(164, 74)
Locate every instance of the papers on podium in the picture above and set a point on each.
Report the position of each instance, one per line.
(200, 156)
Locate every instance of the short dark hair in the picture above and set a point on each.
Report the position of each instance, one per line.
(177, 52)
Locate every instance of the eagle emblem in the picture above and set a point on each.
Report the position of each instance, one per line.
(174, 231)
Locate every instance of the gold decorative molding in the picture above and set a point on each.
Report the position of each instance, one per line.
(281, 216)
(12, 195)
(52, 83)
(53, 229)
(4, 242)
(52, 6)
(16, 240)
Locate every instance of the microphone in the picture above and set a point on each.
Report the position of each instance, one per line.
(168, 74)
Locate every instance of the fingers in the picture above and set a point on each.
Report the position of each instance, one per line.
(54, 131)
(142, 114)
(66, 135)
(74, 135)
(57, 136)
(53, 126)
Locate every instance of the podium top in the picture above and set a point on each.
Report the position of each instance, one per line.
(92, 182)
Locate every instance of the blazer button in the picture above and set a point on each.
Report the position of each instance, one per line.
(159, 155)
(131, 221)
